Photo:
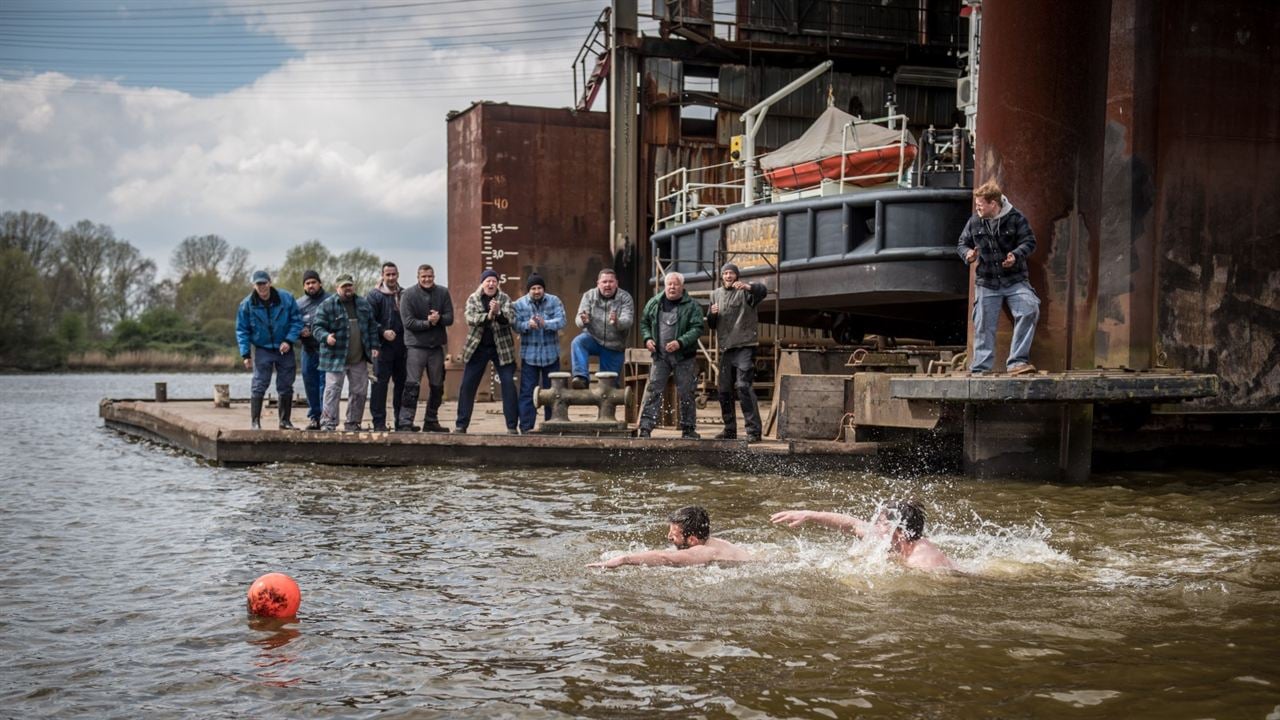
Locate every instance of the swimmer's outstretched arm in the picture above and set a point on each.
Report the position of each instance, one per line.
(692, 556)
(835, 521)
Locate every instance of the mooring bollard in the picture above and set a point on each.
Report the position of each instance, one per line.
(222, 396)
(606, 397)
(162, 392)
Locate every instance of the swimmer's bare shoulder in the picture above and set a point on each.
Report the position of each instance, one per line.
(927, 556)
(725, 551)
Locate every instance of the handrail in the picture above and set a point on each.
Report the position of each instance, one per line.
(845, 134)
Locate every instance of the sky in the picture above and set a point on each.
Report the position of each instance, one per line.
(269, 123)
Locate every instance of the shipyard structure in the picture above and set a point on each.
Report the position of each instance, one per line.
(830, 148)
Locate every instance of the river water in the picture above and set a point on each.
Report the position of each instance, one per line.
(434, 592)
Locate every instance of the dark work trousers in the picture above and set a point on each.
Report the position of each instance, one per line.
(313, 382)
(474, 373)
(432, 361)
(267, 359)
(389, 366)
(737, 370)
(686, 374)
(533, 377)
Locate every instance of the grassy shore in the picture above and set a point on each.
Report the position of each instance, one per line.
(144, 360)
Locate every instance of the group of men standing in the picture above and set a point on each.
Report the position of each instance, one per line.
(402, 332)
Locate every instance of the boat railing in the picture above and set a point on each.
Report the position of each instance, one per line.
(686, 192)
(683, 194)
(849, 134)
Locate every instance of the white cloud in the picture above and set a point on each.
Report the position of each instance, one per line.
(318, 148)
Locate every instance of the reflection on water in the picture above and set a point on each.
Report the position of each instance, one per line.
(464, 593)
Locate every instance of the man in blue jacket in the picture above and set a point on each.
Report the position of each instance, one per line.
(267, 328)
(539, 318)
(385, 301)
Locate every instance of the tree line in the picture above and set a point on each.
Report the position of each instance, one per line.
(71, 290)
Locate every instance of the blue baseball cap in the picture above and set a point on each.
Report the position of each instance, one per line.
(261, 276)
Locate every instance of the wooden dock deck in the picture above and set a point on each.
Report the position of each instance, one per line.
(222, 436)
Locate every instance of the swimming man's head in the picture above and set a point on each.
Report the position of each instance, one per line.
(689, 524)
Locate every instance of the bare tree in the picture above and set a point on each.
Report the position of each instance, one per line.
(110, 278)
(129, 280)
(34, 234)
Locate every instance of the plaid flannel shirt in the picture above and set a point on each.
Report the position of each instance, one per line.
(477, 315)
(540, 346)
(996, 238)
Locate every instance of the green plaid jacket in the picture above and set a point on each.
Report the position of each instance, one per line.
(477, 315)
(331, 319)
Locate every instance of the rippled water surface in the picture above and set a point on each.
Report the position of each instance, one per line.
(431, 592)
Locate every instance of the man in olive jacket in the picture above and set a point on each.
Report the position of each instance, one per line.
(670, 326)
(733, 315)
(348, 337)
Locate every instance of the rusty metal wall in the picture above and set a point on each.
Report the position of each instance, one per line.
(528, 191)
(1217, 173)
(1042, 100)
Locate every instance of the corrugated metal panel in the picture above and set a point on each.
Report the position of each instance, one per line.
(790, 118)
(661, 83)
(534, 184)
(781, 22)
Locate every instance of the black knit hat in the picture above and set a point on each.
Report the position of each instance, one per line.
(489, 273)
(310, 275)
(534, 279)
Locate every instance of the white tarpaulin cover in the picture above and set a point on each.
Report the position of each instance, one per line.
(822, 139)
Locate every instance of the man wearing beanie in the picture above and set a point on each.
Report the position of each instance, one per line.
(489, 315)
(313, 293)
(539, 317)
(426, 311)
(733, 317)
(267, 328)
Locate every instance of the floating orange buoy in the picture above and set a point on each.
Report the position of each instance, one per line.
(274, 595)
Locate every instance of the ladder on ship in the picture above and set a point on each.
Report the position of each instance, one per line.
(594, 50)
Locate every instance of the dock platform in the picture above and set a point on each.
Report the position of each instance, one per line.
(222, 436)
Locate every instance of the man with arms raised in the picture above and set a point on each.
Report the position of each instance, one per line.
(905, 520)
(690, 531)
(605, 315)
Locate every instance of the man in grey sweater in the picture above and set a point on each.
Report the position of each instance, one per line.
(605, 315)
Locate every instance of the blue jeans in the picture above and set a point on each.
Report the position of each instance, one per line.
(313, 383)
(584, 346)
(531, 378)
(1025, 307)
(473, 373)
(264, 361)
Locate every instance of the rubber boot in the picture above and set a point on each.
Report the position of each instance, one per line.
(255, 412)
(408, 407)
(286, 409)
(729, 417)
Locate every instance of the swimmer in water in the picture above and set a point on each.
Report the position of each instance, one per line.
(904, 519)
(690, 532)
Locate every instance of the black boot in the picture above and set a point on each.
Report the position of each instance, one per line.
(408, 407)
(286, 409)
(729, 418)
(255, 412)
